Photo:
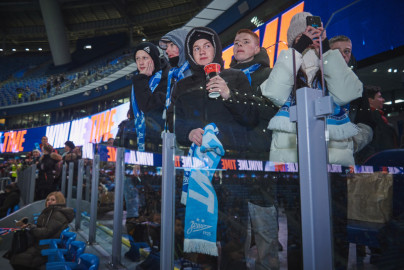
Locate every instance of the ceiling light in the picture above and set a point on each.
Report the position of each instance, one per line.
(143, 39)
(374, 70)
(13, 50)
(27, 49)
(395, 70)
(39, 49)
(257, 22)
(2, 50)
(87, 47)
(389, 70)
(396, 101)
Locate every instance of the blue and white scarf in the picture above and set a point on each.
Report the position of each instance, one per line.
(140, 123)
(201, 212)
(338, 123)
(249, 70)
(176, 73)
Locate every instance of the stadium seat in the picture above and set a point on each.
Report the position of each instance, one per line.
(86, 261)
(63, 242)
(71, 254)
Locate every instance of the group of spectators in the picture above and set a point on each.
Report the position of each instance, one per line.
(251, 111)
(173, 93)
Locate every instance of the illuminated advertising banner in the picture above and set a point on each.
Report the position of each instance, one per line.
(96, 128)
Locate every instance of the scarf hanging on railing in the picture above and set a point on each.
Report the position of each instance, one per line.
(249, 70)
(140, 123)
(201, 213)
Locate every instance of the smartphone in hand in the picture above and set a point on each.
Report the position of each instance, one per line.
(314, 21)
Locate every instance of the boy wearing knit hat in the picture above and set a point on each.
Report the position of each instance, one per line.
(148, 95)
(344, 86)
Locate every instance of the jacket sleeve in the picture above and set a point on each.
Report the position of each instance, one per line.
(241, 103)
(280, 82)
(363, 138)
(147, 100)
(55, 223)
(342, 83)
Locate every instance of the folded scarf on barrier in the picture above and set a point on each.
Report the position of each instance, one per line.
(201, 212)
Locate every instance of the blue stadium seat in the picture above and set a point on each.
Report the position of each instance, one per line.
(63, 242)
(71, 254)
(86, 261)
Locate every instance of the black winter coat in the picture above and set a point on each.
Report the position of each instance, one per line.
(152, 105)
(194, 109)
(51, 222)
(46, 168)
(260, 137)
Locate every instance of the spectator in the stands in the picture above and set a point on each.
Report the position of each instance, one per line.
(72, 154)
(253, 60)
(9, 199)
(384, 135)
(50, 223)
(359, 110)
(344, 86)
(232, 112)
(46, 175)
(148, 94)
(44, 140)
(36, 154)
(173, 43)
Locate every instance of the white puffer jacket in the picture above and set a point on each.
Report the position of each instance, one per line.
(343, 85)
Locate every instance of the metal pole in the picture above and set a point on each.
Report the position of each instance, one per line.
(168, 203)
(70, 183)
(79, 192)
(118, 208)
(32, 180)
(88, 182)
(63, 187)
(94, 200)
(314, 182)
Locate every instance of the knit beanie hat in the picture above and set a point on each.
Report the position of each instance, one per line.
(70, 144)
(297, 26)
(198, 36)
(152, 50)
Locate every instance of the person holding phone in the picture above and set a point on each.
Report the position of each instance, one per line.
(344, 86)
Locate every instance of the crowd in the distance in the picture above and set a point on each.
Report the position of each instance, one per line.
(40, 87)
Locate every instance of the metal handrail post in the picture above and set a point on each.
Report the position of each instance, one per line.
(118, 208)
(80, 170)
(70, 184)
(94, 200)
(310, 113)
(63, 187)
(168, 203)
(88, 183)
(32, 182)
